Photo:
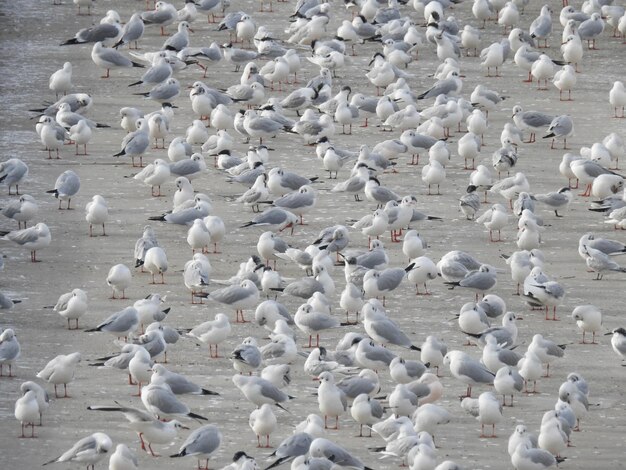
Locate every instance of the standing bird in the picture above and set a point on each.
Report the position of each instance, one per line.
(27, 411)
(155, 262)
(331, 399)
(12, 173)
(263, 422)
(618, 341)
(561, 127)
(35, 238)
(97, 213)
(108, 58)
(9, 351)
(119, 279)
(65, 187)
(72, 306)
(60, 370)
(617, 98)
(61, 80)
(136, 143)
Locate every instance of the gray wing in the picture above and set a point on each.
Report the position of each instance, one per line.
(295, 445)
(202, 441)
(384, 194)
(181, 385)
(391, 333)
(166, 402)
(138, 144)
(606, 246)
(304, 288)
(184, 167)
(156, 17)
(295, 200)
(21, 237)
(476, 372)
(541, 26)
(380, 354)
(86, 444)
(157, 74)
(229, 295)
(319, 321)
(376, 409)
(270, 217)
(113, 57)
(390, 279)
(165, 91)
(444, 87)
(273, 393)
(133, 30)
(97, 33)
(355, 386)
(535, 119)
(510, 358)
(68, 183)
(541, 457)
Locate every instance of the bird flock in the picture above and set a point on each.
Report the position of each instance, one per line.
(322, 169)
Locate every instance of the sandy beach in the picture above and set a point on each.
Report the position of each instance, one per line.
(31, 36)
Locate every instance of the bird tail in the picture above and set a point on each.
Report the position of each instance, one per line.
(55, 192)
(277, 463)
(197, 416)
(551, 134)
(120, 153)
(141, 66)
(182, 453)
(157, 217)
(452, 284)
(69, 42)
(415, 348)
(136, 83)
(208, 392)
(91, 330)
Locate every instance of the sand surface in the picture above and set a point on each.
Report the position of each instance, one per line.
(30, 36)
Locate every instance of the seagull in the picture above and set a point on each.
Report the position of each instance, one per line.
(66, 186)
(201, 444)
(89, 450)
(72, 306)
(35, 238)
(119, 279)
(12, 172)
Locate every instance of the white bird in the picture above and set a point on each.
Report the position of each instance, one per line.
(155, 262)
(617, 98)
(119, 279)
(565, 80)
(13, 171)
(72, 306)
(9, 350)
(331, 399)
(154, 175)
(123, 459)
(263, 422)
(81, 134)
(588, 319)
(96, 213)
(27, 411)
(494, 219)
(34, 238)
(61, 80)
(60, 370)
